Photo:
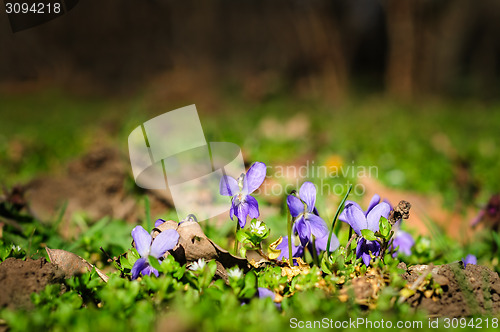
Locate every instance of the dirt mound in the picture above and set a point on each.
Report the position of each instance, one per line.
(473, 290)
(21, 278)
(95, 184)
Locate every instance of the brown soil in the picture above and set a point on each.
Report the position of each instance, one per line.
(95, 184)
(473, 290)
(21, 278)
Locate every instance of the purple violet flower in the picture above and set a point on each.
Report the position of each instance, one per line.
(163, 242)
(403, 242)
(323, 241)
(364, 247)
(264, 292)
(297, 251)
(469, 259)
(359, 220)
(158, 222)
(373, 202)
(242, 203)
(306, 221)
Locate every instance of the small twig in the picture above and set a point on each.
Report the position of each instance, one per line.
(348, 246)
(116, 261)
(353, 236)
(386, 245)
(12, 223)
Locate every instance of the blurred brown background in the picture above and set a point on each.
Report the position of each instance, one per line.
(327, 49)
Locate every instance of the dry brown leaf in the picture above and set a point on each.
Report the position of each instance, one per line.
(72, 264)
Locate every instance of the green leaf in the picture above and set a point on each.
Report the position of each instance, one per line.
(339, 209)
(384, 227)
(368, 234)
(243, 251)
(242, 236)
(383, 232)
(125, 263)
(132, 256)
(250, 285)
(326, 264)
(496, 238)
(154, 262)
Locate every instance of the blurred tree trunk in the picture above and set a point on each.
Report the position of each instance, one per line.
(451, 27)
(426, 42)
(485, 59)
(319, 36)
(402, 46)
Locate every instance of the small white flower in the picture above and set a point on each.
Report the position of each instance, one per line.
(16, 248)
(235, 273)
(199, 265)
(258, 228)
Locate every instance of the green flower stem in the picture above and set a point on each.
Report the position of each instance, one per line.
(315, 253)
(290, 254)
(236, 243)
(350, 240)
(147, 209)
(339, 209)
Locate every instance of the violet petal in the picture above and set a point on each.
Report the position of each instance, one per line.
(373, 218)
(317, 225)
(142, 240)
(228, 186)
(307, 193)
(366, 258)
(163, 242)
(322, 242)
(253, 207)
(139, 265)
(148, 270)
(254, 177)
(295, 205)
(403, 242)
(159, 222)
(355, 217)
(373, 202)
(303, 230)
(241, 213)
(297, 251)
(469, 259)
(264, 292)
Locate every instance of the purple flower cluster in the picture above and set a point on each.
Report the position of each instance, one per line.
(310, 228)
